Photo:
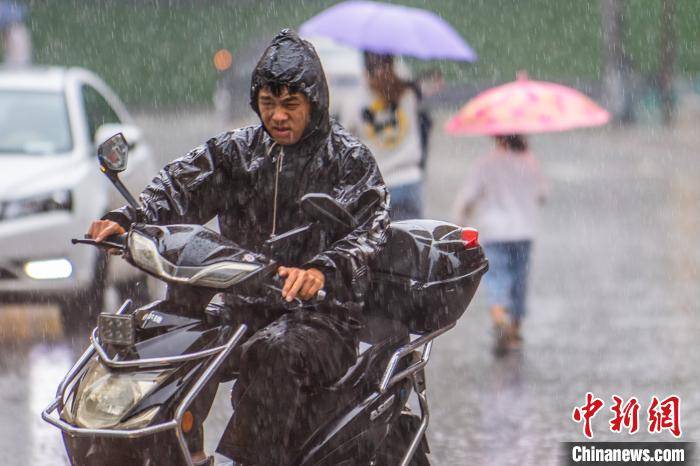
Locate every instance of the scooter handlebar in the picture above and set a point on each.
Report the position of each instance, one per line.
(111, 242)
(279, 283)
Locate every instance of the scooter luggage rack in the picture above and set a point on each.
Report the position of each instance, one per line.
(145, 362)
(148, 362)
(389, 379)
(175, 424)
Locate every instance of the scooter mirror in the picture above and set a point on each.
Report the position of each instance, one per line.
(323, 208)
(113, 153)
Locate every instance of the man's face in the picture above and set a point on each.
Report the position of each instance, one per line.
(285, 116)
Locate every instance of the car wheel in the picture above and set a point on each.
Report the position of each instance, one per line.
(79, 312)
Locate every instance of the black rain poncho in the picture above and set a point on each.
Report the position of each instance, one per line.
(233, 176)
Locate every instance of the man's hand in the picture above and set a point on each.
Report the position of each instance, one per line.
(300, 282)
(101, 229)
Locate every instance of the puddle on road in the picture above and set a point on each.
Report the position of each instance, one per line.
(48, 365)
(34, 358)
(28, 386)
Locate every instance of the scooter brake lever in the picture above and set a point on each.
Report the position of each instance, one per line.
(111, 242)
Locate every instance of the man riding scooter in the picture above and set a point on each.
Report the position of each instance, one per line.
(252, 179)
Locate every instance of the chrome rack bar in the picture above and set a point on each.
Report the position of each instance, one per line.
(425, 418)
(413, 368)
(197, 387)
(87, 354)
(173, 424)
(125, 305)
(77, 367)
(149, 362)
(389, 379)
(83, 432)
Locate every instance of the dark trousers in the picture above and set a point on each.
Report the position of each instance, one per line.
(281, 394)
(506, 282)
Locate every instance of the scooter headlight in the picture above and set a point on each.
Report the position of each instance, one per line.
(223, 274)
(140, 420)
(145, 253)
(104, 397)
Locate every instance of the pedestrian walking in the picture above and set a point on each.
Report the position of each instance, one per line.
(391, 120)
(427, 86)
(501, 197)
(387, 121)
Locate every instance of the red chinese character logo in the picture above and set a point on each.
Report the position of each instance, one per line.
(665, 415)
(625, 416)
(586, 412)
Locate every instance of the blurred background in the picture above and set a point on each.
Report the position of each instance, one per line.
(613, 306)
(159, 54)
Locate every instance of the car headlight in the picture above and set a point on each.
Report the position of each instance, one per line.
(104, 397)
(48, 202)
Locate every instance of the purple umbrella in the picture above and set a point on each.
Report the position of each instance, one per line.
(389, 29)
(11, 12)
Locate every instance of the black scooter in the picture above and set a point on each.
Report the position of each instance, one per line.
(141, 391)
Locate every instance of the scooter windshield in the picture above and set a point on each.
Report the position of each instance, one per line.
(145, 254)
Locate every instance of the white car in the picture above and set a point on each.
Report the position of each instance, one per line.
(51, 120)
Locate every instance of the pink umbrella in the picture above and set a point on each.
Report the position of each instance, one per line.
(524, 107)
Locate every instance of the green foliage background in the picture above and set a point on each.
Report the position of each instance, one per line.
(159, 53)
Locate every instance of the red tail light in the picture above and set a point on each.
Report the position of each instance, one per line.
(470, 237)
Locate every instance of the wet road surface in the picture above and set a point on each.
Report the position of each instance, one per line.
(613, 306)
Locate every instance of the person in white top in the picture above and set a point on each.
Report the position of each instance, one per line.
(501, 198)
(386, 119)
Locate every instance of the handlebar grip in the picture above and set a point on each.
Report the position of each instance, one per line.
(320, 294)
(89, 241)
(111, 242)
